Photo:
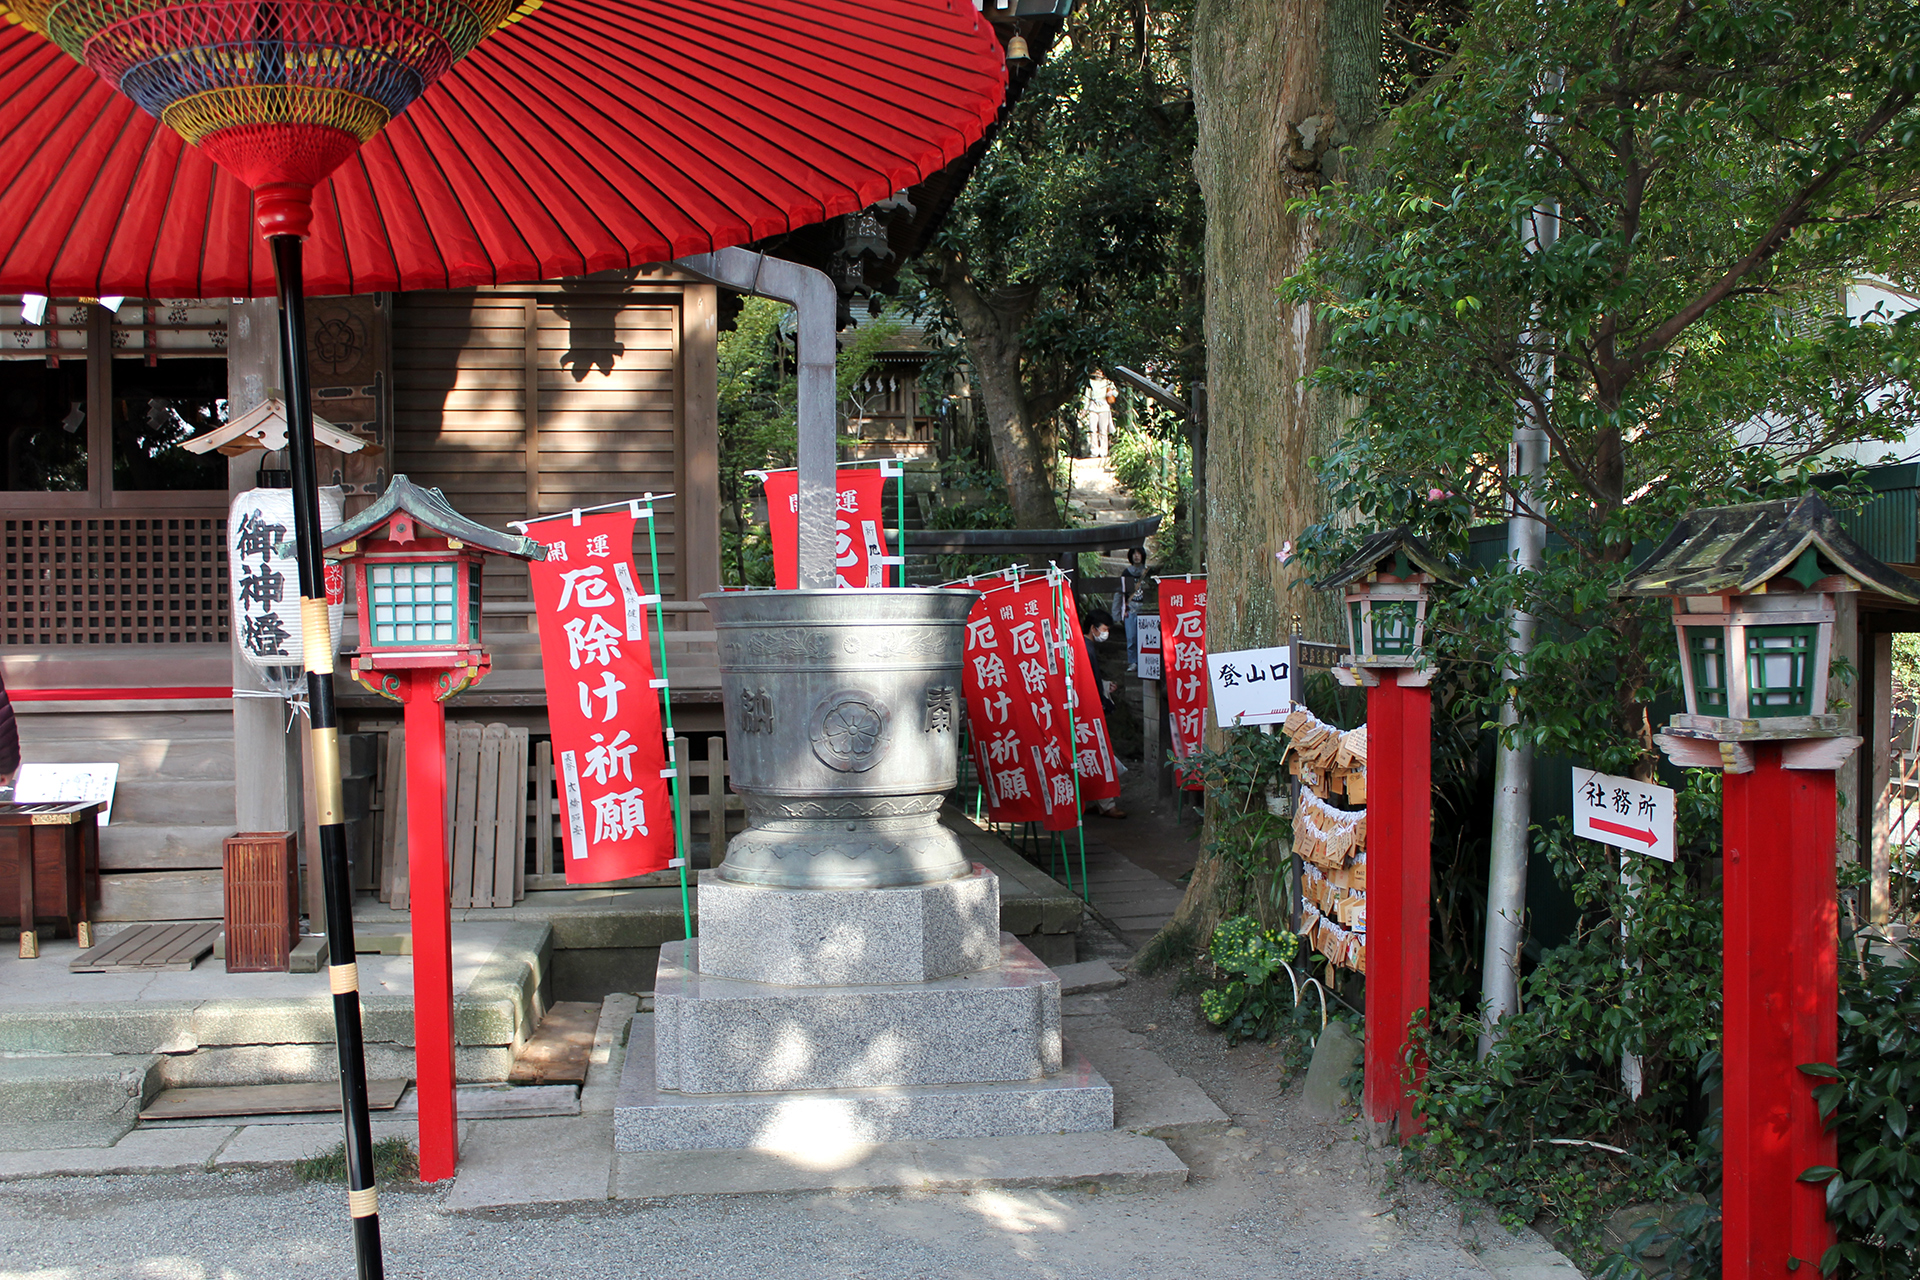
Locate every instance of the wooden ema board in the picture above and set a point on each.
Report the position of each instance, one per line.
(559, 1051)
(264, 1100)
(149, 948)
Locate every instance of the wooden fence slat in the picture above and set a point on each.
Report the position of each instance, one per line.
(464, 797)
(486, 814)
(517, 842)
(510, 778)
(402, 882)
(716, 800)
(681, 754)
(546, 860)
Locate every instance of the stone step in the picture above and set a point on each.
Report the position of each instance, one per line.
(647, 1118)
(72, 1101)
(721, 1035)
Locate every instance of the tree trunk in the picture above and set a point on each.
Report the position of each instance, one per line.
(990, 325)
(1279, 86)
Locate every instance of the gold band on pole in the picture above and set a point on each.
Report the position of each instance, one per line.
(343, 979)
(326, 776)
(363, 1204)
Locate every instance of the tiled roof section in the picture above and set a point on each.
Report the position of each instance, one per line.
(431, 508)
(1384, 546)
(1735, 549)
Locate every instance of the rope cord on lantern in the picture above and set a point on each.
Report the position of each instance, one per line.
(676, 782)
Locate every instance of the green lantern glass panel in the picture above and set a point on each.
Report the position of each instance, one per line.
(1707, 652)
(1393, 627)
(1780, 670)
(413, 604)
(1356, 630)
(473, 602)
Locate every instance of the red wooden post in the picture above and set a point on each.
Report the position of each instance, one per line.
(429, 897)
(1399, 878)
(1781, 982)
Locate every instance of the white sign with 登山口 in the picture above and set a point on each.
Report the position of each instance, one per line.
(1623, 813)
(1252, 686)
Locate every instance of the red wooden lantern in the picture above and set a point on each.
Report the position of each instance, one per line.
(1387, 585)
(417, 566)
(1754, 589)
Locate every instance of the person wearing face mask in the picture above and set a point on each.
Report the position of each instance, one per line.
(1126, 601)
(1098, 628)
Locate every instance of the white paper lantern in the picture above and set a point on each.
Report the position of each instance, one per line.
(265, 583)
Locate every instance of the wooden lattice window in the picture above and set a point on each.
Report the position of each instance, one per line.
(116, 579)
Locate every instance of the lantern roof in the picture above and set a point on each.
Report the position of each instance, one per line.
(1396, 551)
(1739, 549)
(430, 507)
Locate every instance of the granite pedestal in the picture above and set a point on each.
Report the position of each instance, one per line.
(899, 1013)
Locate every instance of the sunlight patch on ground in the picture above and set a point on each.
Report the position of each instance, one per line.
(1007, 1212)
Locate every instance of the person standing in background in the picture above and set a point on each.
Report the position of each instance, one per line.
(1097, 627)
(1127, 600)
(1096, 414)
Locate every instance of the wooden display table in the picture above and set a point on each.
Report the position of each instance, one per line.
(49, 869)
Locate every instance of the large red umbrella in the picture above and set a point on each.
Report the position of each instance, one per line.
(592, 134)
(443, 144)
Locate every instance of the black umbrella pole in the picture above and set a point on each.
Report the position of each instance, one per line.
(343, 975)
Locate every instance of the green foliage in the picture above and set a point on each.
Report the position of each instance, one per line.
(1719, 173)
(1076, 242)
(393, 1161)
(1255, 1000)
(1544, 1124)
(758, 411)
(1244, 834)
(1871, 1095)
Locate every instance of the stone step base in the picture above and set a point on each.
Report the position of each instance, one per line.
(83, 1101)
(722, 1035)
(647, 1118)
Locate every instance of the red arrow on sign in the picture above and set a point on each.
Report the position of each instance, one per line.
(1631, 833)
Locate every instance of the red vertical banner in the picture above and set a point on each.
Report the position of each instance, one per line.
(609, 755)
(1029, 685)
(860, 527)
(1000, 712)
(1183, 641)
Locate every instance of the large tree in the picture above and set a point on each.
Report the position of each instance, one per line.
(1075, 243)
(1287, 96)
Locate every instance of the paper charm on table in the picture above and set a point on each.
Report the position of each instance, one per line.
(609, 751)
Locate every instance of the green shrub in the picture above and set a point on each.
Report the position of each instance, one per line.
(1872, 1092)
(1258, 996)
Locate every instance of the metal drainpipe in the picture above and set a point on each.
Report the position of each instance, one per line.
(1513, 765)
(812, 295)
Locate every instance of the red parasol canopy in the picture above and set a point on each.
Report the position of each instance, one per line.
(591, 134)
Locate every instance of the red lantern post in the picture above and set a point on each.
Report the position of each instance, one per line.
(1754, 592)
(417, 566)
(1386, 587)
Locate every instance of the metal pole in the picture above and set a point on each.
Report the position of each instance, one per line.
(363, 1198)
(1513, 759)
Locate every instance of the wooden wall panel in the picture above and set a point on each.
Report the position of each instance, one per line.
(605, 414)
